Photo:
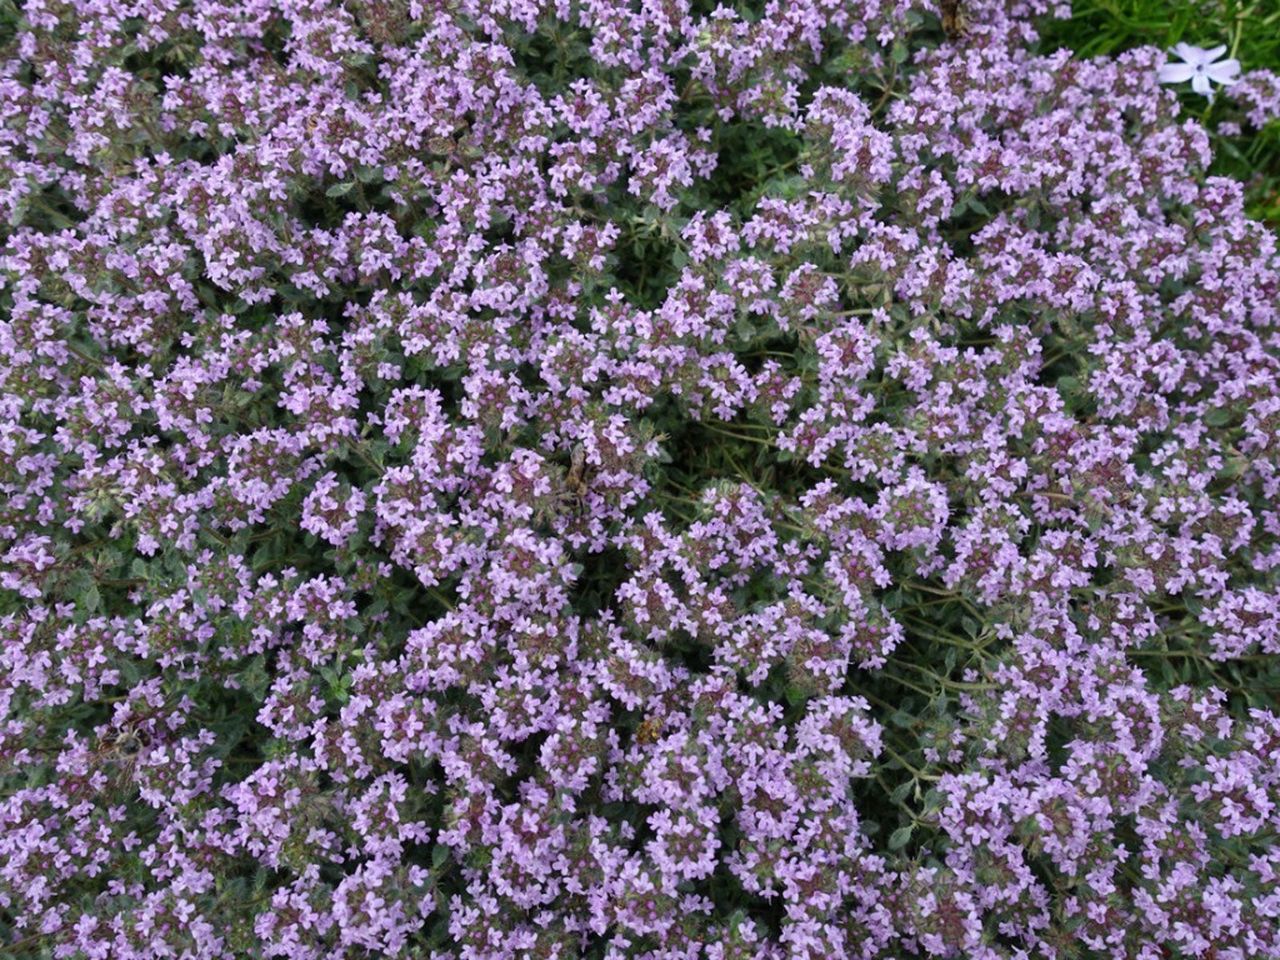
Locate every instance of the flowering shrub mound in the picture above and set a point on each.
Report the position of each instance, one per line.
(500, 479)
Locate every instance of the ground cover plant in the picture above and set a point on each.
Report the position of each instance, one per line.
(502, 479)
(1250, 32)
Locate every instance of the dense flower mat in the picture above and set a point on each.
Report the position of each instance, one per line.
(516, 479)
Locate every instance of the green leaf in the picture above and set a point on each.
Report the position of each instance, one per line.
(796, 695)
(82, 589)
(900, 718)
(1218, 417)
(340, 189)
(900, 837)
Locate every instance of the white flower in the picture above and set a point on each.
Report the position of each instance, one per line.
(1199, 68)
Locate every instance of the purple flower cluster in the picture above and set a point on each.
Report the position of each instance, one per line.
(506, 479)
